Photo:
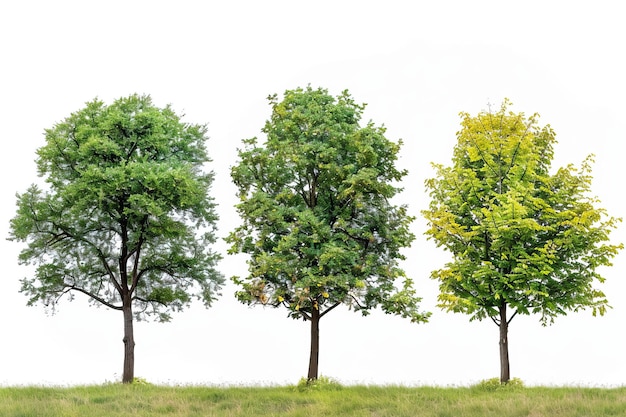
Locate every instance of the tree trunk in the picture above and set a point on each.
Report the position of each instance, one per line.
(315, 345)
(505, 373)
(129, 343)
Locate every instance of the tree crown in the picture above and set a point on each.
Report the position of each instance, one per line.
(318, 221)
(126, 212)
(518, 235)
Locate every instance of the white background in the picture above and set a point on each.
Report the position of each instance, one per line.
(417, 64)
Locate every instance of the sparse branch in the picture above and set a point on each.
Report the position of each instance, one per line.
(329, 309)
(135, 272)
(511, 318)
(57, 237)
(352, 236)
(94, 296)
(149, 300)
(98, 251)
(137, 253)
(131, 150)
(356, 301)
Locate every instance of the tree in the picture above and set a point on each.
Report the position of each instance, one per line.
(126, 218)
(522, 240)
(318, 222)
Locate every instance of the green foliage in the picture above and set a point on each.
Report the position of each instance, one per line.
(323, 383)
(494, 384)
(318, 221)
(519, 235)
(147, 401)
(126, 213)
(140, 381)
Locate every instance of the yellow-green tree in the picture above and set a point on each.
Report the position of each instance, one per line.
(523, 239)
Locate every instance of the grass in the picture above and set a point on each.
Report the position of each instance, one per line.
(143, 400)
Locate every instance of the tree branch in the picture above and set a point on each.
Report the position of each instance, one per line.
(137, 253)
(356, 301)
(98, 253)
(329, 309)
(305, 315)
(95, 297)
(149, 301)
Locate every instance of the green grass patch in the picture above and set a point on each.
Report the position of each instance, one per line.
(325, 399)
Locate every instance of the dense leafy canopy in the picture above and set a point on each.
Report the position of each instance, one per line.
(519, 235)
(318, 221)
(126, 216)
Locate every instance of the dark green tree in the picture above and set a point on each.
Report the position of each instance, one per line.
(318, 219)
(523, 240)
(125, 218)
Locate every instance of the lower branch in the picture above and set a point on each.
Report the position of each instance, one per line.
(95, 297)
(329, 309)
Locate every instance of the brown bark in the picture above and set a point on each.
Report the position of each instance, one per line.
(315, 345)
(129, 342)
(505, 373)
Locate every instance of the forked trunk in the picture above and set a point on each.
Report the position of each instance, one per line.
(315, 345)
(129, 344)
(505, 373)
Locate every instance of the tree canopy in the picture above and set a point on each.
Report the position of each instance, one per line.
(319, 223)
(521, 237)
(126, 217)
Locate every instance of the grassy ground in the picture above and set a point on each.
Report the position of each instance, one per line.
(146, 400)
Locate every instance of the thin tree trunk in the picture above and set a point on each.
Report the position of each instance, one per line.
(315, 345)
(505, 373)
(129, 343)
